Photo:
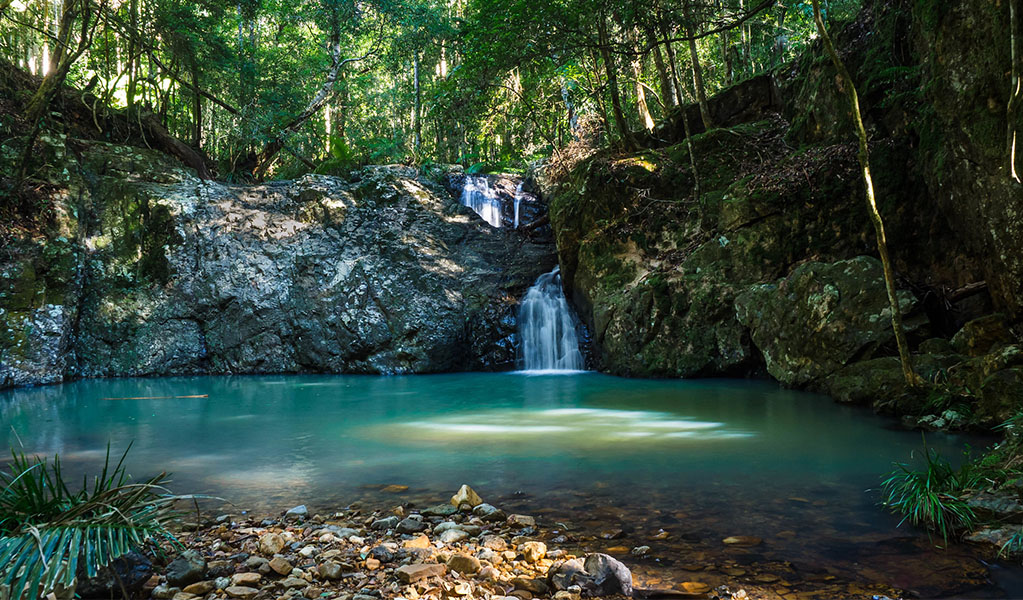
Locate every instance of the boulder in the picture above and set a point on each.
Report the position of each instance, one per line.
(131, 570)
(597, 575)
(186, 569)
(822, 317)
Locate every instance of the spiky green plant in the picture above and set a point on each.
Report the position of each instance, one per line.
(931, 496)
(49, 533)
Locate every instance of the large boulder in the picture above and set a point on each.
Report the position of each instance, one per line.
(822, 317)
(380, 272)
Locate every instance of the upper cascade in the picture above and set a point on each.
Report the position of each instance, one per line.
(479, 196)
(547, 328)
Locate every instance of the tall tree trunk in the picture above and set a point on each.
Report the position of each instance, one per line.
(684, 114)
(64, 55)
(667, 91)
(1017, 87)
(612, 81)
(875, 216)
(417, 113)
(196, 105)
(637, 74)
(133, 57)
(673, 64)
(701, 94)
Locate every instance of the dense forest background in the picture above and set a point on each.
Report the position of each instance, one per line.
(274, 89)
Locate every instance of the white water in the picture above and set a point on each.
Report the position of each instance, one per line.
(547, 329)
(518, 201)
(479, 196)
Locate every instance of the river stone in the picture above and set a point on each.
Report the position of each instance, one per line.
(298, 512)
(199, 589)
(495, 542)
(164, 592)
(245, 579)
(464, 564)
(742, 540)
(466, 496)
(607, 576)
(382, 553)
(186, 569)
(452, 536)
(271, 543)
(416, 572)
(410, 525)
(420, 541)
(980, 336)
(489, 513)
(521, 521)
(241, 592)
(280, 565)
(330, 570)
(384, 524)
(440, 510)
(533, 551)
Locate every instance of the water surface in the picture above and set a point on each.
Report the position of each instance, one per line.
(700, 460)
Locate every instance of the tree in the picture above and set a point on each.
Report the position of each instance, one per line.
(875, 216)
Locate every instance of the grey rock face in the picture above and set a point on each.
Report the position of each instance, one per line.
(380, 273)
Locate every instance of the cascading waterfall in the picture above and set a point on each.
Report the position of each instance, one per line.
(518, 202)
(481, 198)
(547, 328)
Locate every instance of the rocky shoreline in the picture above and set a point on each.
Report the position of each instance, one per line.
(470, 551)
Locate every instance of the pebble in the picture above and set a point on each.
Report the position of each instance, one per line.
(271, 543)
(244, 580)
(416, 572)
(533, 551)
(420, 541)
(294, 582)
(385, 523)
(466, 496)
(464, 564)
(330, 570)
(521, 521)
(242, 592)
(165, 592)
(452, 536)
(641, 550)
(280, 565)
(495, 542)
(200, 589)
(441, 510)
(372, 564)
(742, 540)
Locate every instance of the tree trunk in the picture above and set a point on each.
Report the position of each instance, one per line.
(1017, 87)
(63, 57)
(196, 105)
(667, 91)
(637, 74)
(673, 64)
(417, 113)
(701, 95)
(875, 216)
(612, 81)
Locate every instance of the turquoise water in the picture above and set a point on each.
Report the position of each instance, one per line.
(715, 457)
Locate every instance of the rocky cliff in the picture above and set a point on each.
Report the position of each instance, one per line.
(769, 267)
(148, 270)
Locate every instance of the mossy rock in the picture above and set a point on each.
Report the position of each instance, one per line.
(981, 336)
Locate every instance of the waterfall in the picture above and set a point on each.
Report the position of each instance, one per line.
(479, 196)
(547, 328)
(518, 201)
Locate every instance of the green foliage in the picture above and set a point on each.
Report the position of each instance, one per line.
(50, 533)
(931, 496)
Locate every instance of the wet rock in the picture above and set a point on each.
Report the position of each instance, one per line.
(596, 575)
(488, 574)
(280, 565)
(298, 512)
(294, 583)
(131, 570)
(1001, 506)
(417, 572)
(271, 543)
(533, 551)
(410, 525)
(521, 521)
(489, 513)
(384, 524)
(222, 583)
(640, 551)
(394, 488)
(241, 592)
(464, 564)
(466, 496)
(441, 510)
(742, 540)
(187, 569)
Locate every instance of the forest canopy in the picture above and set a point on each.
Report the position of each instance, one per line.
(276, 88)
